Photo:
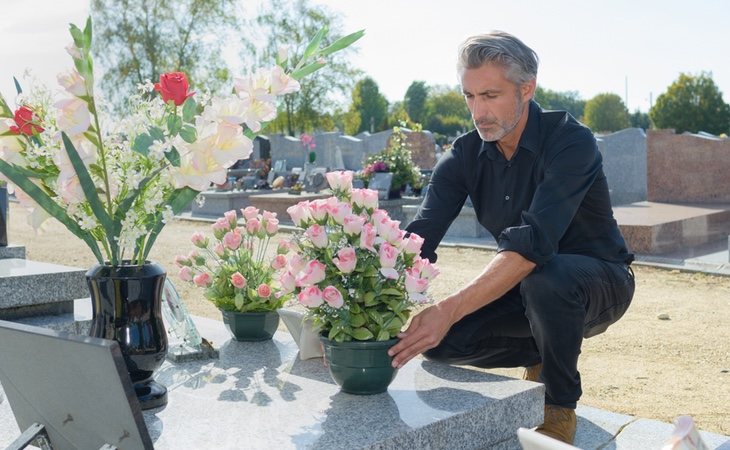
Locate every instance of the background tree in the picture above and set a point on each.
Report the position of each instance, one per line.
(290, 25)
(639, 119)
(606, 113)
(446, 112)
(567, 101)
(137, 40)
(414, 101)
(398, 116)
(370, 105)
(692, 103)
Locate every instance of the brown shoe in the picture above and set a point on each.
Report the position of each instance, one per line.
(532, 373)
(559, 423)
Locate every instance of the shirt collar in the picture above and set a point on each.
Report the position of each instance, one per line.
(530, 138)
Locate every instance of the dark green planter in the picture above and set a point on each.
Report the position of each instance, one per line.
(251, 326)
(360, 367)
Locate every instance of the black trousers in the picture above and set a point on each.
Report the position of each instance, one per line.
(543, 319)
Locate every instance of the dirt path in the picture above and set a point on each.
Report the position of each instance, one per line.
(643, 365)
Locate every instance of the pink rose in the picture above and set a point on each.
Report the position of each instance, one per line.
(272, 226)
(299, 213)
(279, 262)
(313, 273)
(318, 209)
(412, 244)
(352, 224)
(365, 198)
(311, 297)
(203, 279)
(238, 281)
(199, 240)
(340, 180)
(253, 226)
(296, 263)
(232, 240)
(367, 238)
(390, 231)
(181, 260)
(317, 235)
(414, 284)
(282, 247)
(333, 297)
(220, 227)
(268, 215)
(287, 282)
(346, 260)
(264, 290)
(388, 255)
(339, 211)
(250, 212)
(378, 216)
(425, 269)
(173, 86)
(185, 274)
(219, 249)
(231, 217)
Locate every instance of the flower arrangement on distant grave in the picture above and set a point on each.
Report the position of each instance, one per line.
(309, 145)
(395, 158)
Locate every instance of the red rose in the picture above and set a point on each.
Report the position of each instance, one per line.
(26, 121)
(173, 86)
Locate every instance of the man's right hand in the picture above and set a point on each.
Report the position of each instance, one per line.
(425, 332)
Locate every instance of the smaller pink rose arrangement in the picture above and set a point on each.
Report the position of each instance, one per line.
(234, 266)
(352, 265)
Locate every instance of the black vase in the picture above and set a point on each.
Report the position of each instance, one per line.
(126, 302)
(3, 216)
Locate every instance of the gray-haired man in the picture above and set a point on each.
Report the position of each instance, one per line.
(561, 273)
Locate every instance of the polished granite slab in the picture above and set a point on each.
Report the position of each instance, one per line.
(12, 251)
(29, 288)
(260, 395)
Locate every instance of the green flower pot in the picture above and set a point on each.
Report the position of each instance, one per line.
(360, 367)
(251, 326)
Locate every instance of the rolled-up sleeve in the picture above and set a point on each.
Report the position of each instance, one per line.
(444, 199)
(571, 168)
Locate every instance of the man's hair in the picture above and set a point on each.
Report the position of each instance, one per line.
(498, 47)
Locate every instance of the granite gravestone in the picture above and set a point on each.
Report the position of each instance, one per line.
(381, 182)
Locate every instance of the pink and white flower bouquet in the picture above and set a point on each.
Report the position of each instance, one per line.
(352, 266)
(234, 266)
(115, 181)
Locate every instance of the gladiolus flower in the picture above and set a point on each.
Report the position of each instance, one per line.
(72, 82)
(333, 297)
(238, 281)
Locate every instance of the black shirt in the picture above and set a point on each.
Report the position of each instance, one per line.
(551, 197)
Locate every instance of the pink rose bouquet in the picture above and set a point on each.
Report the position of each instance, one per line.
(234, 266)
(352, 265)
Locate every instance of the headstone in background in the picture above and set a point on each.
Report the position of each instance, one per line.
(624, 163)
(423, 148)
(381, 182)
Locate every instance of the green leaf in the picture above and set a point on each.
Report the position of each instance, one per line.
(174, 124)
(375, 316)
(383, 335)
(51, 207)
(142, 144)
(357, 320)
(238, 300)
(6, 111)
(87, 31)
(369, 298)
(188, 133)
(17, 86)
(78, 36)
(314, 44)
(362, 334)
(306, 70)
(89, 188)
(189, 109)
(174, 157)
(342, 42)
(392, 291)
(157, 134)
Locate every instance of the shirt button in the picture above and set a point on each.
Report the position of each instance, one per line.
(506, 197)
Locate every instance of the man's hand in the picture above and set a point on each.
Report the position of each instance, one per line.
(425, 332)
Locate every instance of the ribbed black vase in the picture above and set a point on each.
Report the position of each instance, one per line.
(3, 216)
(126, 302)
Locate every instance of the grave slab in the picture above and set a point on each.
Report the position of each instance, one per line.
(31, 288)
(12, 251)
(217, 202)
(465, 225)
(279, 202)
(260, 395)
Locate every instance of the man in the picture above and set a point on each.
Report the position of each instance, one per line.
(561, 272)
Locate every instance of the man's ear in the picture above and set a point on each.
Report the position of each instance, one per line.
(527, 89)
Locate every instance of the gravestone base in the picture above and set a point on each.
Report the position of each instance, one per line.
(279, 202)
(12, 251)
(465, 225)
(31, 288)
(653, 228)
(395, 208)
(217, 202)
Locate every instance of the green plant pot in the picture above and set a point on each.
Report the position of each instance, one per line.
(251, 326)
(360, 367)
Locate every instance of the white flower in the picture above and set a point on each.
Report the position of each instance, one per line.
(73, 51)
(10, 146)
(73, 116)
(281, 83)
(260, 106)
(167, 214)
(72, 81)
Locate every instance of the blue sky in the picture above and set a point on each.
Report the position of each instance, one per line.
(585, 46)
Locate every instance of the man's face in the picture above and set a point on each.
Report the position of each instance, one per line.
(496, 104)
